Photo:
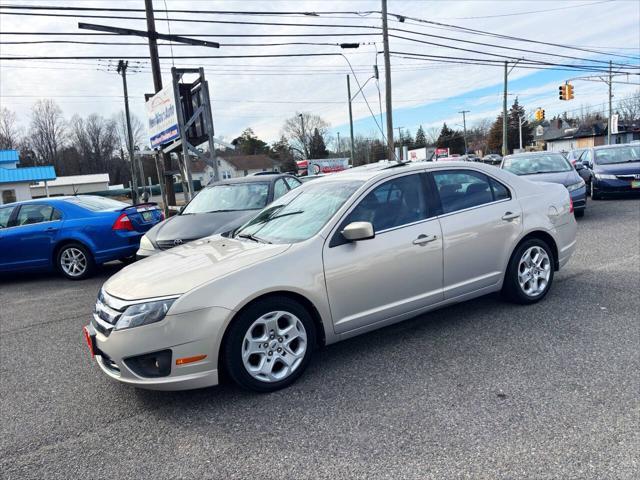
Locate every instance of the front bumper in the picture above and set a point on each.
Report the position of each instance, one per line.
(186, 335)
(617, 186)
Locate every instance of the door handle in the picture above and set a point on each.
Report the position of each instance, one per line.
(510, 216)
(51, 229)
(424, 239)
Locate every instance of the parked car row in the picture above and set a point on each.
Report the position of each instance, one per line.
(336, 257)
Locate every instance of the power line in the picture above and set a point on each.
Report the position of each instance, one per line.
(183, 57)
(497, 35)
(485, 45)
(143, 44)
(515, 14)
(195, 12)
(192, 20)
(203, 35)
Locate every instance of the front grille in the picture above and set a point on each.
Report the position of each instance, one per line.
(628, 177)
(105, 314)
(167, 244)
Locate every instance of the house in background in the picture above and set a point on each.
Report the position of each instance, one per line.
(15, 182)
(72, 185)
(233, 166)
(560, 136)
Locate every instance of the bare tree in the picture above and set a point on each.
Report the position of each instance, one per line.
(137, 130)
(95, 139)
(46, 136)
(301, 141)
(629, 107)
(432, 134)
(9, 131)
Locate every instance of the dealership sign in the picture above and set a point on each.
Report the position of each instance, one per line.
(162, 117)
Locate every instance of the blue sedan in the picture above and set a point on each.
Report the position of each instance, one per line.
(71, 234)
(553, 168)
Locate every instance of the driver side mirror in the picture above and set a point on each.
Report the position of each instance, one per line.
(356, 231)
(579, 166)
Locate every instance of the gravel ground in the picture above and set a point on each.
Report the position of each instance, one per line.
(483, 389)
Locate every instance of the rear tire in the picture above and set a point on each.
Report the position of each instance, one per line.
(75, 261)
(530, 272)
(128, 260)
(269, 344)
(579, 213)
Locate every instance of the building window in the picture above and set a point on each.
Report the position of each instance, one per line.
(8, 196)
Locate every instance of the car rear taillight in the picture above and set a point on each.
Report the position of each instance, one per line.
(570, 205)
(122, 223)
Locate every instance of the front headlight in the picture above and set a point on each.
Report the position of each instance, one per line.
(604, 176)
(144, 313)
(575, 186)
(146, 244)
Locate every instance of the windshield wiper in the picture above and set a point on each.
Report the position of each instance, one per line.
(285, 215)
(251, 236)
(545, 171)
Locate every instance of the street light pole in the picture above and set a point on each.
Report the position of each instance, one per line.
(610, 97)
(464, 128)
(304, 144)
(387, 82)
(350, 118)
(504, 111)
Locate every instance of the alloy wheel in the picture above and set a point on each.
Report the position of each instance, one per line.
(274, 346)
(534, 271)
(73, 262)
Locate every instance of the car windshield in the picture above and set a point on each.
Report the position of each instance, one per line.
(299, 214)
(533, 164)
(97, 204)
(628, 153)
(229, 197)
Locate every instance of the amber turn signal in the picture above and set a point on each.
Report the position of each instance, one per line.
(185, 360)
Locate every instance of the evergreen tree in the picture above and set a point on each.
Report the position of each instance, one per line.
(280, 151)
(421, 138)
(317, 149)
(249, 144)
(451, 139)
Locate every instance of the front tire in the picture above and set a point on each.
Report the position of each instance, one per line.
(530, 272)
(269, 344)
(75, 261)
(595, 195)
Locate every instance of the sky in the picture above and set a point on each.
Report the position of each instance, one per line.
(262, 92)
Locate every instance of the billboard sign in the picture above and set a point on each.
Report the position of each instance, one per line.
(162, 117)
(614, 124)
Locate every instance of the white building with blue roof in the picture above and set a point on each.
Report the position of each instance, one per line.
(15, 181)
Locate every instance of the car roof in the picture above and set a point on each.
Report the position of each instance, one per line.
(54, 200)
(384, 168)
(263, 178)
(522, 154)
(617, 145)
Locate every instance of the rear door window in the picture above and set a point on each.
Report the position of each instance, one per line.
(280, 188)
(293, 182)
(5, 214)
(32, 214)
(462, 189)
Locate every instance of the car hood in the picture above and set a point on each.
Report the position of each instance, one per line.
(618, 168)
(176, 271)
(563, 178)
(191, 227)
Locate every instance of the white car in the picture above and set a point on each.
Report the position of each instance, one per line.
(334, 258)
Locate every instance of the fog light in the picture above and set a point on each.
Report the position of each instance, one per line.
(156, 364)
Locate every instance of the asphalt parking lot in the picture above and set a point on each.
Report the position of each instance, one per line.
(483, 389)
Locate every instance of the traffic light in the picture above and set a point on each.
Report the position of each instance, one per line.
(539, 115)
(569, 91)
(562, 94)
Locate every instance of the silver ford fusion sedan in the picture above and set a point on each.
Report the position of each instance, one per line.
(337, 257)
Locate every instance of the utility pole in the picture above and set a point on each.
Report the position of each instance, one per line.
(464, 128)
(157, 84)
(610, 97)
(122, 70)
(338, 143)
(304, 145)
(387, 82)
(504, 111)
(350, 118)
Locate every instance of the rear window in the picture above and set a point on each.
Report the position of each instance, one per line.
(96, 204)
